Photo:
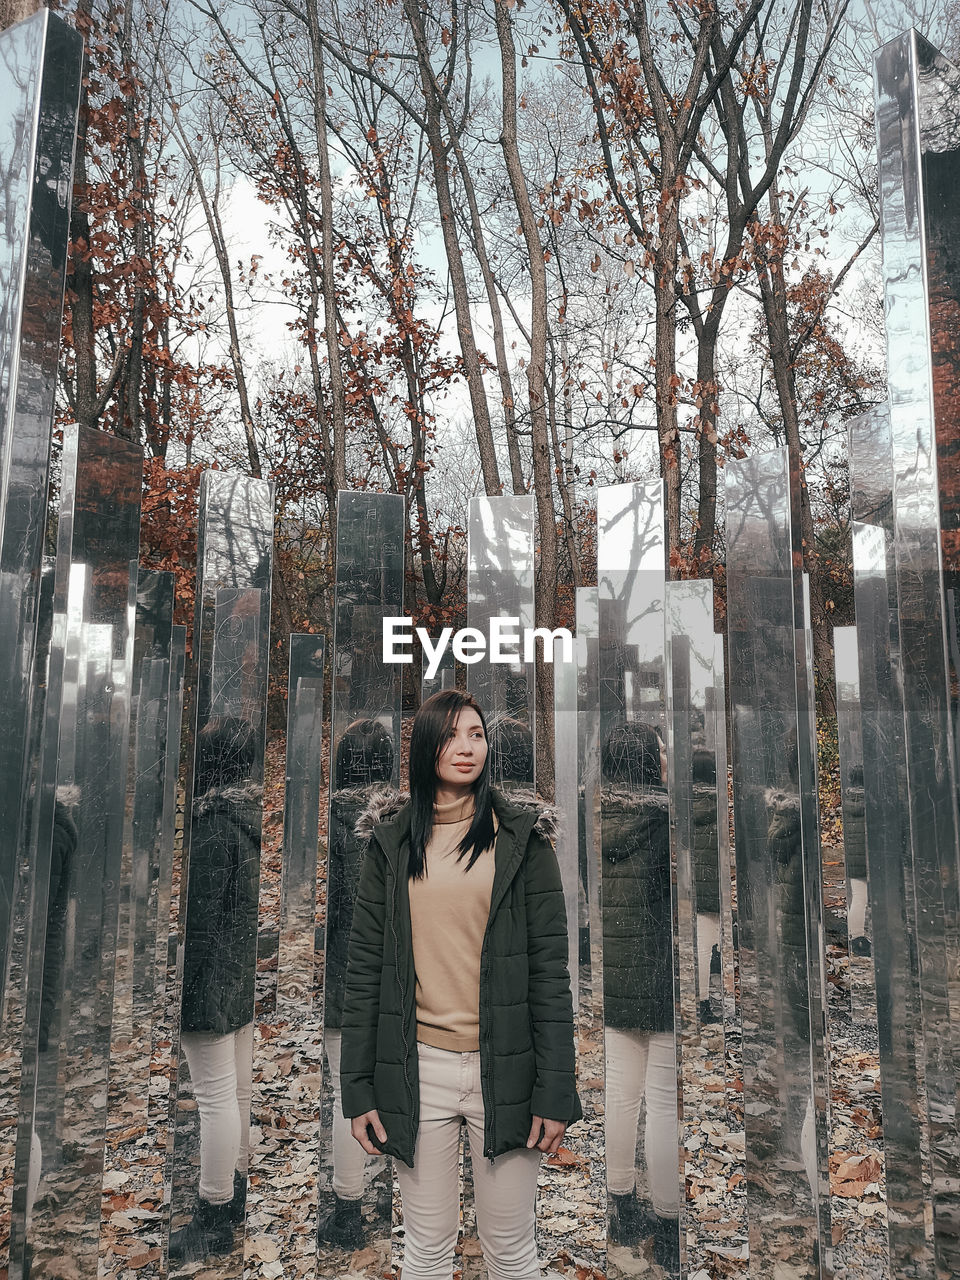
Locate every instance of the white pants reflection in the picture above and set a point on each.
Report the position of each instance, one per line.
(348, 1155)
(641, 1066)
(220, 1073)
(857, 910)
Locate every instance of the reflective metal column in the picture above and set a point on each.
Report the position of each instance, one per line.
(80, 815)
(136, 976)
(910, 1132)
(566, 793)
(636, 897)
(918, 138)
(588, 755)
(850, 746)
(500, 586)
(778, 872)
(365, 761)
(224, 796)
(40, 61)
(301, 820)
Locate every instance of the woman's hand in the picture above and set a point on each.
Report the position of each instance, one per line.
(359, 1126)
(553, 1131)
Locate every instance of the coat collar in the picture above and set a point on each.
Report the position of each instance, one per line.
(386, 820)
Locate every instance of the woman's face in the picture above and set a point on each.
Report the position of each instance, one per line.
(462, 756)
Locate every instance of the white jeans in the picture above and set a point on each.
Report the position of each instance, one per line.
(220, 1072)
(857, 910)
(641, 1065)
(349, 1157)
(505, 1189)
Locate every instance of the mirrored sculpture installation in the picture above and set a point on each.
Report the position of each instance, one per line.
(90, 717)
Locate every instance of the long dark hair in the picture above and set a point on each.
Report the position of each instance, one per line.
(431, 727)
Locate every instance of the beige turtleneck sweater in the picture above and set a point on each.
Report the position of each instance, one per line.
(449, 908)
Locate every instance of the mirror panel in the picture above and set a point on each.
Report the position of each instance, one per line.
(643, 1164)
(778, 873)
(301, 821)
(356, 1191)
(850, 747)
(500, 539)
(892, 898)
(80, 817)
(221, 866)
(917, 93)
(40, 63)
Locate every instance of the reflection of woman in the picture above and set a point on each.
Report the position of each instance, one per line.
(638, 990)
(855, 857)
(457, 1004)
(364, 761)
(706, 872)
(785, 848)
(218, 978)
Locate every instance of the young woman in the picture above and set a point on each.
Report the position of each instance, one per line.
(457, 1003)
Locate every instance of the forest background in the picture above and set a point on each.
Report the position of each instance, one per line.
(480, 246)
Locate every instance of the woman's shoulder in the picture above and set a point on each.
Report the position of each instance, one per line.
(520, 804)
(383, 805)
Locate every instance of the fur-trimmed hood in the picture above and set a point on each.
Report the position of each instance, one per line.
(386, 802)
(239, 802)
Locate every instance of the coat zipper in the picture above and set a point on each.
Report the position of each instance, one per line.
(403, 1001)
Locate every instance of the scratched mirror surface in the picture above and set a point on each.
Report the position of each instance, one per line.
(643, 1170)
(80, 821)
(788, 1205)
(210, 1138)
(39, 97)
(355, 1190)
(500, 537)
(301, 821)
(909, 1131)
(917, 111)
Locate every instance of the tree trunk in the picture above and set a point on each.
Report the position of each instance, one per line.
(546, 593)
(458, 275)
(338, 405)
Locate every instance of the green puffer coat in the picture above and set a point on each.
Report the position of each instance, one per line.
(706, 855)
(220, 945)
(636, 910)
(526, 1021)
(854, 833)
(784, 842)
